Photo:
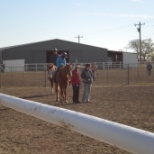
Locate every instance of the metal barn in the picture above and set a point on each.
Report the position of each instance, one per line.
(41, 52)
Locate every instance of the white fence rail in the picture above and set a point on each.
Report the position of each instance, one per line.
(43, 66)
(125, 137)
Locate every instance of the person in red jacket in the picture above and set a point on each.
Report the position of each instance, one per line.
(75, 80)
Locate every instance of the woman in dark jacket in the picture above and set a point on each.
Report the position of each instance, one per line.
(75, 80)
(87, 77)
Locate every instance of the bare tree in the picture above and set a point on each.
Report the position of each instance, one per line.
(147, 48)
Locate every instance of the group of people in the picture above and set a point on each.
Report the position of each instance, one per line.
(58, 61)
(87, 75)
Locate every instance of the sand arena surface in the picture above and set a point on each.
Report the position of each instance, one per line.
(22, 134)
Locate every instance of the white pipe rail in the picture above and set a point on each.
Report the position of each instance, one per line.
(125, 137)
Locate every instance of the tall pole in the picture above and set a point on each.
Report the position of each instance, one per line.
(140, 42)
(79, 38)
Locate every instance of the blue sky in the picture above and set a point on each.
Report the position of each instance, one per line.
(104, 23)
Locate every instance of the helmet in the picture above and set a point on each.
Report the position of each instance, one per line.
(64, 54)
(55, 49)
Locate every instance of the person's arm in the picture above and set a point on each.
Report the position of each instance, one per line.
(57, 61)
(65, 62)
(83, 76)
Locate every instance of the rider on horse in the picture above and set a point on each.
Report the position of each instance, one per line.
(61, 61)
(54, 56)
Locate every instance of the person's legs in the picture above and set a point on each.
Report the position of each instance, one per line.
(75, 93)
(52, 87)
(73, 98)
(94, 75)
(85, 93)
(150, 72)
(88, 92)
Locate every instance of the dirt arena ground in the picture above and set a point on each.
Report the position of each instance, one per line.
(132, 105)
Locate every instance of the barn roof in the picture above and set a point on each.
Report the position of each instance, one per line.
(53, 40)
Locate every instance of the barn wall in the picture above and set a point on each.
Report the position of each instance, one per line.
(94, 55)
(75, 56)
(36, 52)
(30, 56)
(131, 59)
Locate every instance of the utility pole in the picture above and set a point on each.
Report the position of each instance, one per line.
(79, 38)
(140, 42)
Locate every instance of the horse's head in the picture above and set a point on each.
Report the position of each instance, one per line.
(69, 69)
(51, 65)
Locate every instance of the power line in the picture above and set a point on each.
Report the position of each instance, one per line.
(139, 30)
(109, 30)
(79, 38)
(148, 35)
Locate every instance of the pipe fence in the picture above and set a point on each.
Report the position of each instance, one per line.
(36, 74)
(125, 137)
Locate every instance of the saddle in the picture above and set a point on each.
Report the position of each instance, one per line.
(55, 76)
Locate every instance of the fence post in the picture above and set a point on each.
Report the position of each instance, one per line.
(128, 74)
(107, 75)
(36, 67)
(11, 78)
(1, 79)
(120, 65)
(45, 75)
(26, 67)
(45, 78)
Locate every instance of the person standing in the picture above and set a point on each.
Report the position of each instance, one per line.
(149, 68)
(87, 77)
(75, 80)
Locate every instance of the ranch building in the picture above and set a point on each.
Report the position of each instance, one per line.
(42, 52)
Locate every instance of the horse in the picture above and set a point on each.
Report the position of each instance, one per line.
(62, 79)
(51, 72)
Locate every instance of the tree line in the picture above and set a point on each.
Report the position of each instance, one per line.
(147, 48)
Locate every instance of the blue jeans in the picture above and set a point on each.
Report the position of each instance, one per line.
(86, 92)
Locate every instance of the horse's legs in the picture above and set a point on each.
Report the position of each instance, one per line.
(57, 91)
(51, 83)
(61, 94)
(65, 94)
